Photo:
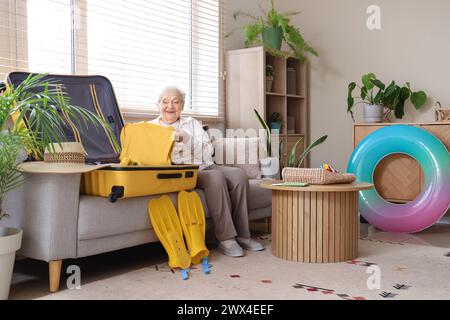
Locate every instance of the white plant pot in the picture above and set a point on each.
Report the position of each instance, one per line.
(10, 242)
(373, 113)
(269, 82)
(270, 167)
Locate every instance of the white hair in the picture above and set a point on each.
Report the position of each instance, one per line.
(176, 89)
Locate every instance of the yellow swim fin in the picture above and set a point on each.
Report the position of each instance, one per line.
(192, 218)
(167, 227)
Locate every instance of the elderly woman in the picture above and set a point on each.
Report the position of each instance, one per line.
(226, 188)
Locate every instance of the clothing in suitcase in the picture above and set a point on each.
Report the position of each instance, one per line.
(96, 94)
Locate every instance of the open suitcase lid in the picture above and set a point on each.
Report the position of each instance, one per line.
(96, 94)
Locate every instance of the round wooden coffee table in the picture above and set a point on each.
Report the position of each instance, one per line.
(315, 224)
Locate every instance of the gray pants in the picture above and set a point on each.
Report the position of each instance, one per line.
(226, 190)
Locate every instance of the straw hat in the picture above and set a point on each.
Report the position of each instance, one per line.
(64, 158)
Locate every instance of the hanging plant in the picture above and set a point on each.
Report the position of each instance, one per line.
(271, 28)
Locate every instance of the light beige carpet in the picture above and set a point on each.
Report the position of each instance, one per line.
(407, 272)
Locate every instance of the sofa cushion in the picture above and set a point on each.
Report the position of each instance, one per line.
(258, 197)
(99, 218)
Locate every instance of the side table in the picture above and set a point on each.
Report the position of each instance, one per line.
(317, 223)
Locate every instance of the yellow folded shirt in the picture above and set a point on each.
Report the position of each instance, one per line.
(146, 144)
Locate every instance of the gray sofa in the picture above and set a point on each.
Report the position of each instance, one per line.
(58, 223)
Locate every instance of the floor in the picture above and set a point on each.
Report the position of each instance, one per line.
(30, 280)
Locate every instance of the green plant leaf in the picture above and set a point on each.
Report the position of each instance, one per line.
(379, 97)
(399, 107)
(350, 100)
(418, 99)
(252, 32)
(363, 93)
(377, 83)
(367, 81)
(405, 93)
(390, 89)
(292, 159)
(308, 150)
(240, 13)
(268, 133)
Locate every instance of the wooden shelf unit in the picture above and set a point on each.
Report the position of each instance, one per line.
(246, 90)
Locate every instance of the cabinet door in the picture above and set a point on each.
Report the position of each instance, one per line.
(441, 131)
(245, 88)
(397, 177)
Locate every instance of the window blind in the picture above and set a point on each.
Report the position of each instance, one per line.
(140, 45)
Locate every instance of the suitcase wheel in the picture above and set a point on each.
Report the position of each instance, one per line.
(116, 193)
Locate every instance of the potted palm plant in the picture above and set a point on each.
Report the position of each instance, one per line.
(10, 178)
(271, 29)
(41, 105)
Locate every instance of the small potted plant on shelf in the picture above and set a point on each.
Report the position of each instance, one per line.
(380, 100)
(41, 104)
(269, 77)
(273, 27)
(275, 122)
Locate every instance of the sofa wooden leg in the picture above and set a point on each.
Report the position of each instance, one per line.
(269, 224)
(54, 268)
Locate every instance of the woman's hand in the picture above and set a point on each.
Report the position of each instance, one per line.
(182, 136)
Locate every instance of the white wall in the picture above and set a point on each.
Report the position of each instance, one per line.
(413, 45)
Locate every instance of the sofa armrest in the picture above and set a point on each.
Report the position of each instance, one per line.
(45, 207)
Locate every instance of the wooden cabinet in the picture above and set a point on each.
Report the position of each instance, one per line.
(246, 90)
(399, 178)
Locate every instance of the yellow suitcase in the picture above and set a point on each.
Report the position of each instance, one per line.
(118, 182)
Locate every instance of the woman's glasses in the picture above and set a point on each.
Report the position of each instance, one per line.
(166, 102)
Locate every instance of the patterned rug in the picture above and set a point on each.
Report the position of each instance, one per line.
(405, 272)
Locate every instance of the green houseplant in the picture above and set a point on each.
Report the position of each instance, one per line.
(270, 165)
(41, 104)
(273, 27)
(267, 131)
(10, 178)
(269, 77)
(275, 121)
(293, 161)
(376, 95)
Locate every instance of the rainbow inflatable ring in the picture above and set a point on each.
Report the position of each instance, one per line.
(430, 153)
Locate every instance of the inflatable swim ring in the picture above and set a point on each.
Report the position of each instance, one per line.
(430, 153)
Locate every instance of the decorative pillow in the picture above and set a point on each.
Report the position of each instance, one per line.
(239, 152)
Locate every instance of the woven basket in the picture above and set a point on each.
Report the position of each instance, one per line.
(316, 176)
